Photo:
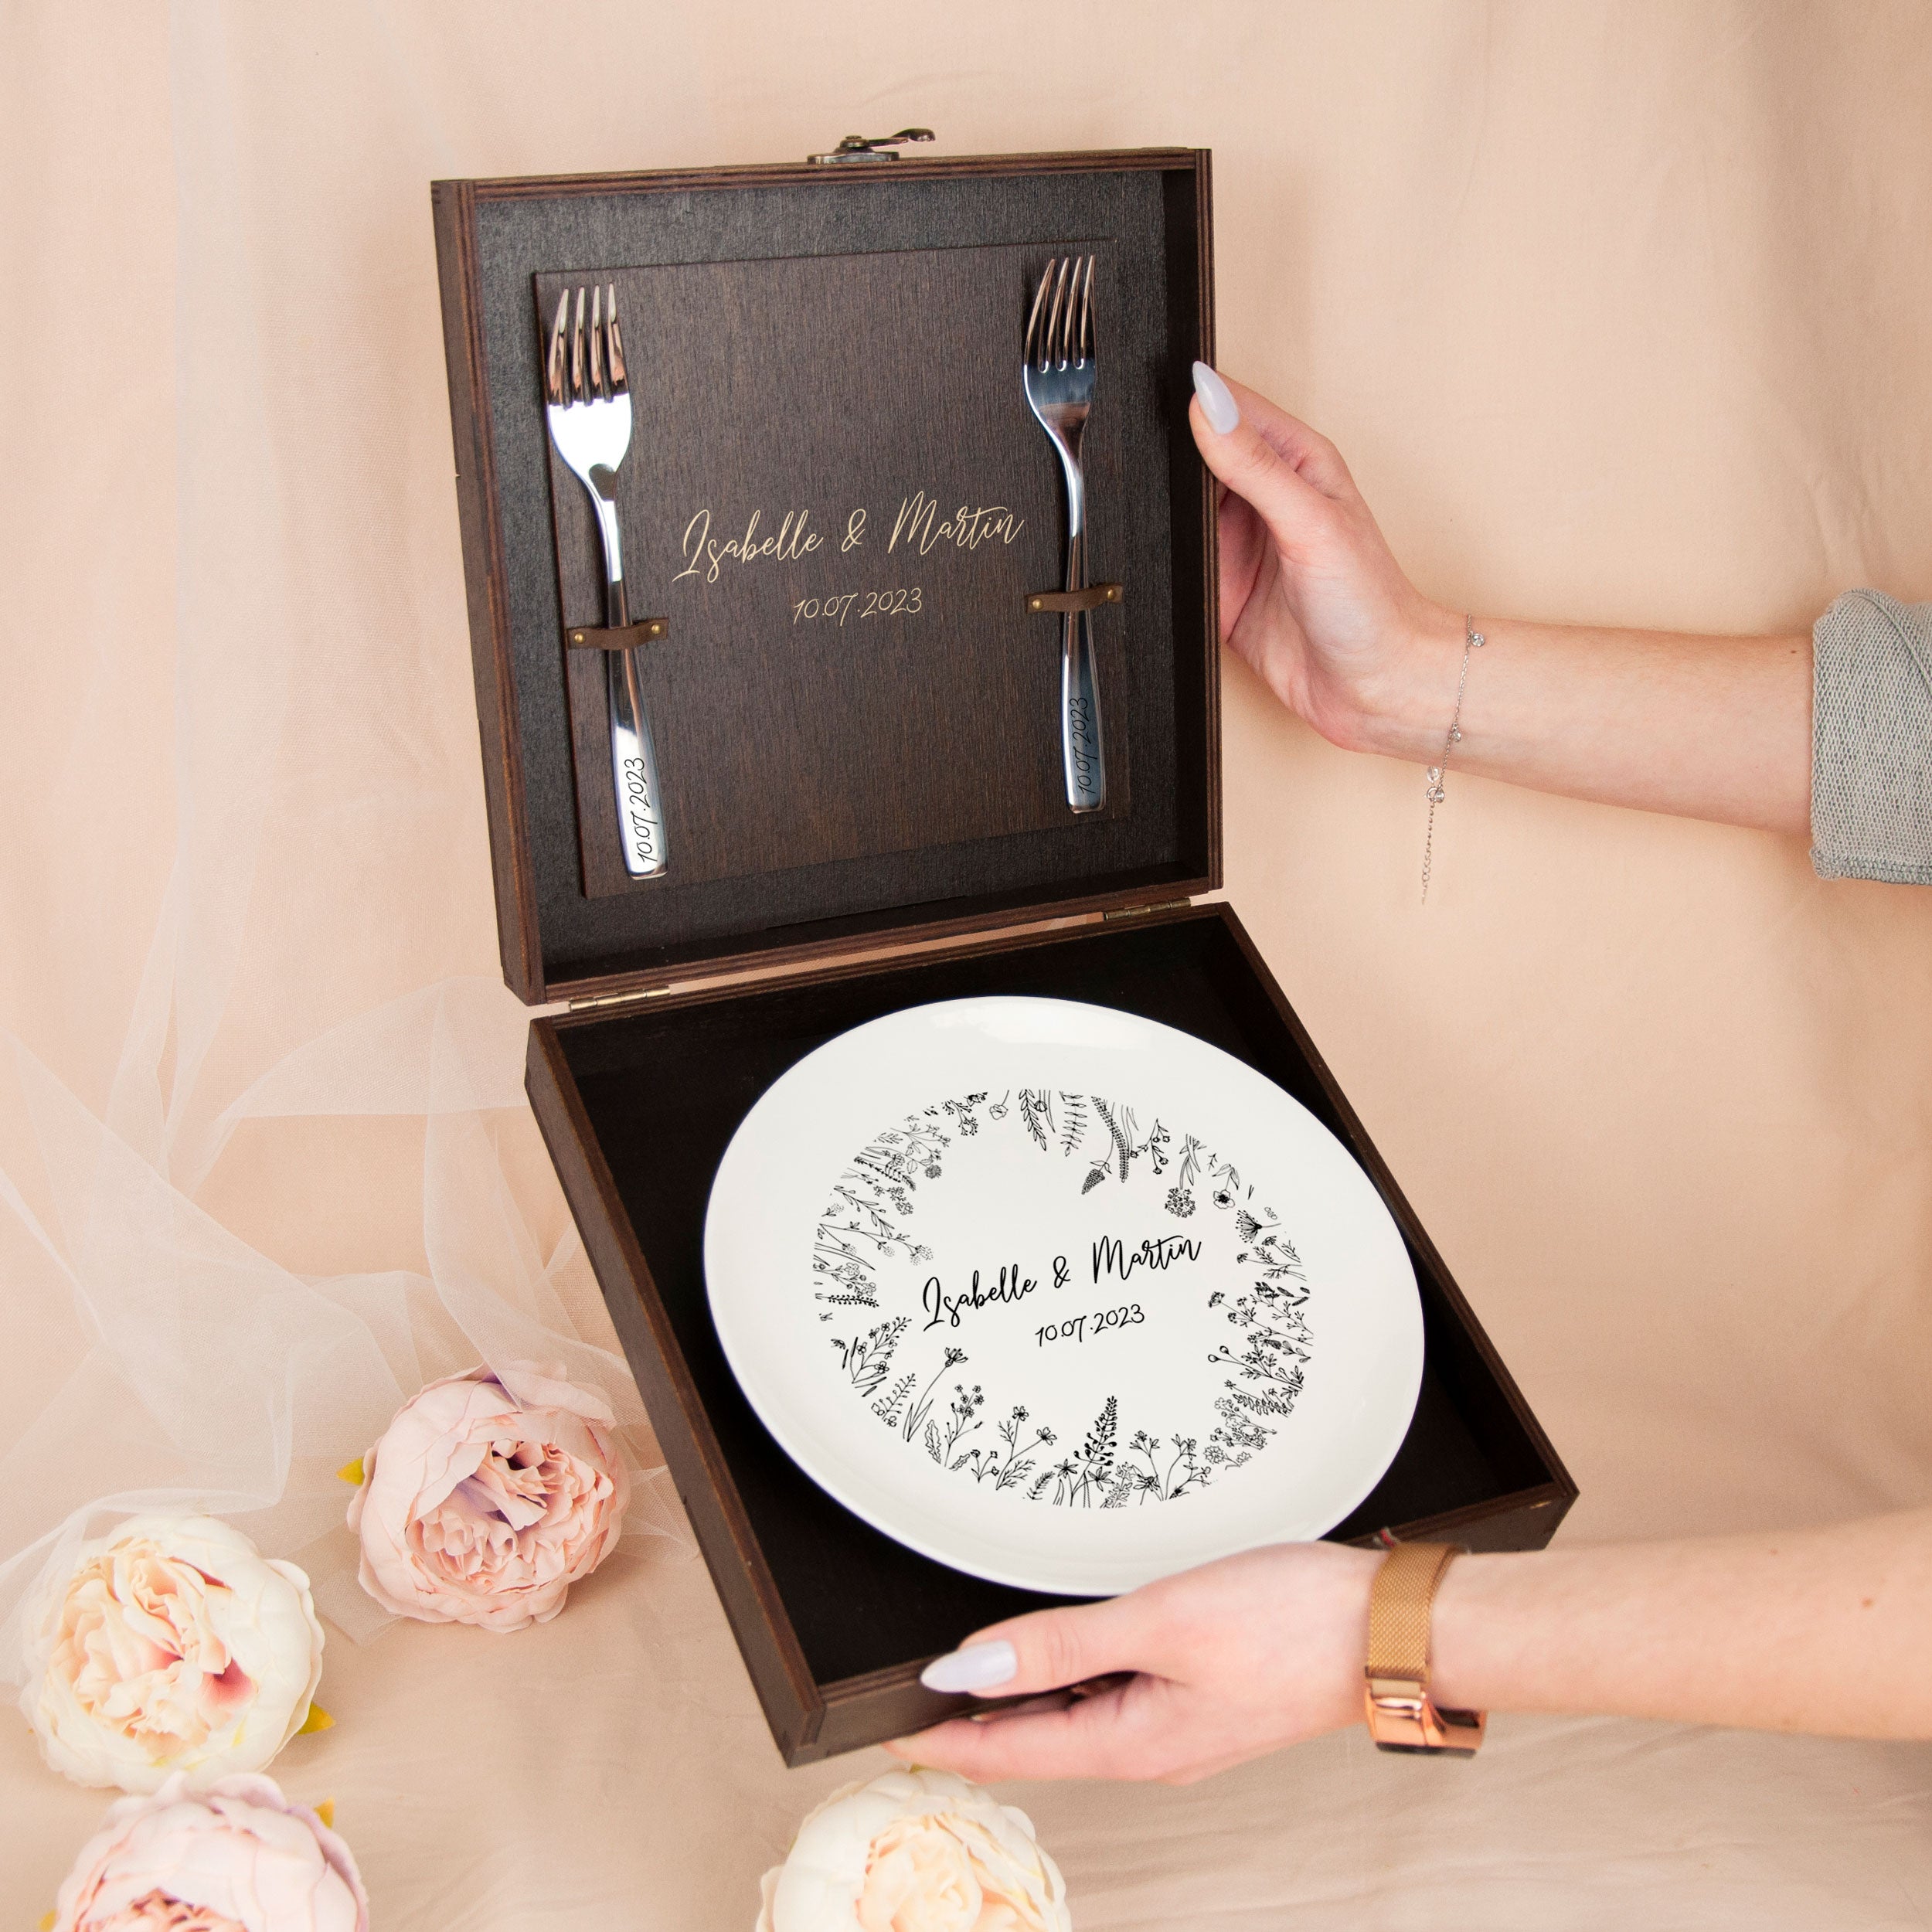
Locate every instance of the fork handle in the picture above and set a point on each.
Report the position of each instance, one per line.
(1085, 762)
(634, 767)
(634, 758)
(1081, 756)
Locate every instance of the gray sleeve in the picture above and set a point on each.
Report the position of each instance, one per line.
(1872, 739)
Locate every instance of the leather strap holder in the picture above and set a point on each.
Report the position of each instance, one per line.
(1401, 1714)
(586, 637)
(1064, 601)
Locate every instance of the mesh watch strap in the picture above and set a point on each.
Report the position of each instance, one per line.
(1401, 1716)
(1404, 1588)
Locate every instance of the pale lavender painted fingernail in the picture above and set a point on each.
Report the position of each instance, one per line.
(977, 1668)
(1217, 400)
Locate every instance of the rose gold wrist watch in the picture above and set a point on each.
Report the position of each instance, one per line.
(1402, 1717)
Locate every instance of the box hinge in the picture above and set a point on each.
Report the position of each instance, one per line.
(1136, 911)
(618, 999)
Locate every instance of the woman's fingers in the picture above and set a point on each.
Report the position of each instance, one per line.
(1121, 1734)
(1046, 1650)
(1077, 1742)
(1306, 452)
(1052, 1700)
(1262, 438)
(1036, 1658)
(1246, 547)
(1293, 509)
(1107, 1733)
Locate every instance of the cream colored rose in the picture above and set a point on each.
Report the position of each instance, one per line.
(237, 1855)
(171, 1645)
(488, 1495)
(915, 1851)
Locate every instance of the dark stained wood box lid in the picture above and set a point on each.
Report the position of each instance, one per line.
(857, 724)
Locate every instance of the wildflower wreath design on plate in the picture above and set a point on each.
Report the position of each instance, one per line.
(872, 1220)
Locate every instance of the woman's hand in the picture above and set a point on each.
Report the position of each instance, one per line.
(1311, 595)
(1815, 1629)
(1230, 1661)
(1707, 727)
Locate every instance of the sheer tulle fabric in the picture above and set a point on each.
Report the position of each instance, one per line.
(215, 1380)
(272, 1169)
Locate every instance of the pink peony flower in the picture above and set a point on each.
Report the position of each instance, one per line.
(237, 1857)
(488, 1495)
(914, 1851)
(172, 1645)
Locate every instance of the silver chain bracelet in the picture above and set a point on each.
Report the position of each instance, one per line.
(1471, 640)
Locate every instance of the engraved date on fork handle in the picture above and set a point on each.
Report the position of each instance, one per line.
(1081, 714)
(634, 763)
(1079, 695)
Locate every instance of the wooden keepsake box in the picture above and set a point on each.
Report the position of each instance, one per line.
(862, 812)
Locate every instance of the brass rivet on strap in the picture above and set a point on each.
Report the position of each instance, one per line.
(1067, 602)
(623, 637)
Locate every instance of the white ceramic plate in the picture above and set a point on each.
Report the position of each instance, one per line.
(1060, 1296)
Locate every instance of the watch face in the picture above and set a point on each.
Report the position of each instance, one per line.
(1059, 1296)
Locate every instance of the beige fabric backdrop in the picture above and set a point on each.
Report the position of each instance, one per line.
(1620, 311)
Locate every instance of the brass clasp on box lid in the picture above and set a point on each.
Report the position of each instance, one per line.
(878, 147)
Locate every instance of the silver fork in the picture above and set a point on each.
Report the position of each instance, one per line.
(1059, 380)
(587, 400)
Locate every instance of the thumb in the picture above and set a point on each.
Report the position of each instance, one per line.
(1045, 1651)
(1275, 461)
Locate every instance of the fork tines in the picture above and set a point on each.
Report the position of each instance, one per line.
(593, 371)
(1060, 328)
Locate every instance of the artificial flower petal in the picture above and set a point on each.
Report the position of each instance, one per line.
(914, 1851)
(171, 1645)
(237, 1855)
(488, 1496)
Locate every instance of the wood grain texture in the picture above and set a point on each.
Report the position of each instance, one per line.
(1161, 834)
(910, 167)
(638, 1108)
(690, 1446)
(454, 209)
(771, 403)
(1190, 279)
